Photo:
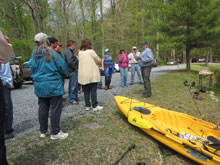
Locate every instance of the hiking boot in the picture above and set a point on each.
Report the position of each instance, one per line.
(59, 136)
(98, 108)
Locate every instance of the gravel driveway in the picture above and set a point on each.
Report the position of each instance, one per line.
(26, 103)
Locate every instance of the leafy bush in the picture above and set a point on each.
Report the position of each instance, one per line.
(22, 48)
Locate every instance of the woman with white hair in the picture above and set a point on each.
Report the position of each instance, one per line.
(48, 69)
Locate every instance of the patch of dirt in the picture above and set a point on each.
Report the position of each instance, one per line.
(92, 126)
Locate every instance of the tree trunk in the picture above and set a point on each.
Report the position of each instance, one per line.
(93, 18)
(210, 55)
(207, 57)
(174, 54)
(66, 22)
(31, 5)
(113, 5)
(83, 18)
(187, 57)
(102, 27)
(157, 46)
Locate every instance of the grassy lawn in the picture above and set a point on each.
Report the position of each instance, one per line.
(100, 138)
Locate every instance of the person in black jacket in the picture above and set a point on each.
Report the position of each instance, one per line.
(72, 66)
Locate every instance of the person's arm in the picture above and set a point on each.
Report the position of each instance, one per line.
(5, 50)
(103, 66)
(97, 59)
(61, 65)
(120, 58)
(126, 60)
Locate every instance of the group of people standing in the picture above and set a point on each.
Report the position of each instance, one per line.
(141, 62)
(50, 68)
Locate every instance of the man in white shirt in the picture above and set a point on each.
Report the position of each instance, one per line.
(135, 65)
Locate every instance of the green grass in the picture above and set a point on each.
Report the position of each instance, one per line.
(100, 138)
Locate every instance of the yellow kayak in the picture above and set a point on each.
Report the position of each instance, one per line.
(192, 137)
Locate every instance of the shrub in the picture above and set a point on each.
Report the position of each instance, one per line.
(22, 48)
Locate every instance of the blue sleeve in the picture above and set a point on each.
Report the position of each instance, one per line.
(147, 55)
(29, 63)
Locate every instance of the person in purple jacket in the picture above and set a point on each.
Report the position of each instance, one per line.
(123, 67)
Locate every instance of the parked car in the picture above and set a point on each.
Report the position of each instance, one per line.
(17, 72)
(172, 62)
(26, 72)
(116, 67)
(194, 60)
(202, 59)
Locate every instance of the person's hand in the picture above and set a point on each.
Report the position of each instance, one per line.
(103, 68)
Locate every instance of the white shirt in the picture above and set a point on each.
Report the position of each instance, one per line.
(132, 59)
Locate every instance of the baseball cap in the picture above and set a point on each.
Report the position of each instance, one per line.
(134, 47)
(106, 50)
(40, 37)
(144, 42)
(59, 44)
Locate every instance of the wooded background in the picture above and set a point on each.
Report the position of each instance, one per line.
(175, 29)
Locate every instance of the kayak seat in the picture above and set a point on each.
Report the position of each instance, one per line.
(216, 142)
(142, 110)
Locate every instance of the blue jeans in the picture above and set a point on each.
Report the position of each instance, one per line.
(73, 87)
(135, 67)
(124, 74)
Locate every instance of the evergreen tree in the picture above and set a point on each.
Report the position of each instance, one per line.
(191, 22)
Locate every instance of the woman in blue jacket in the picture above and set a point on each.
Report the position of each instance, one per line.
(48, 69)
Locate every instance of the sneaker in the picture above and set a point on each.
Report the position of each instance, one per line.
(87, 108)
(60, 136)
(98, 108)
(43, 135)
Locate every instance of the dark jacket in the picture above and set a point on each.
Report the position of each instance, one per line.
(71, 60)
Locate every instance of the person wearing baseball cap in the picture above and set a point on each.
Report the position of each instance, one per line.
(146, 60)
(134, 65)
(108, 68)
(48, 69)
(57, 49)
